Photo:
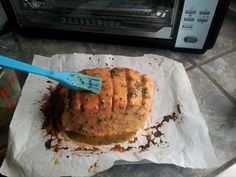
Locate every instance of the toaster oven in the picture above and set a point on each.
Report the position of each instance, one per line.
(187, 25)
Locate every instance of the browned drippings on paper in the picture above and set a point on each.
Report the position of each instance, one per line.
(119, 148)
(155, 136)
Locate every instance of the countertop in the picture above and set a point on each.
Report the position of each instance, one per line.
(212, 75)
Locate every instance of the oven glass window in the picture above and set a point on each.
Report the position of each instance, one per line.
(146, 18)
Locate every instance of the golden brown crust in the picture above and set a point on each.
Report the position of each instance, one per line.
(122, 107)
(120, 90)
(134, 91)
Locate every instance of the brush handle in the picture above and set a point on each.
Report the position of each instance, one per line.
(18, 65)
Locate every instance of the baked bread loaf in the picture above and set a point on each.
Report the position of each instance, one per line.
(114, 115)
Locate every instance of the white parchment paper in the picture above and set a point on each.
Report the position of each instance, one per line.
(187, 142)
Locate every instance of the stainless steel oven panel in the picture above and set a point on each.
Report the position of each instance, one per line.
(195, 22)
(106, 17)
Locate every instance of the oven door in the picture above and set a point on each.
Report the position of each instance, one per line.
(140, 18)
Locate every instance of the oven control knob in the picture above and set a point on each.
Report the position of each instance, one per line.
(190, 39)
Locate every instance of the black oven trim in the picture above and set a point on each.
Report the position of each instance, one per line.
(10, 14)
(216, 24)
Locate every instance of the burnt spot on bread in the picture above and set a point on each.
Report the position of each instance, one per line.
(132, 93)
(145, 92)
(129, 78)
(113, 73)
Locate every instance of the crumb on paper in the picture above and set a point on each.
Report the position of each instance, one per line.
(56, 162)
(179, 109)
(157, 89)
(58, 147)
(93, 167)
(161, 61)
(48, 144)
(179, 105)
(49, 82)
